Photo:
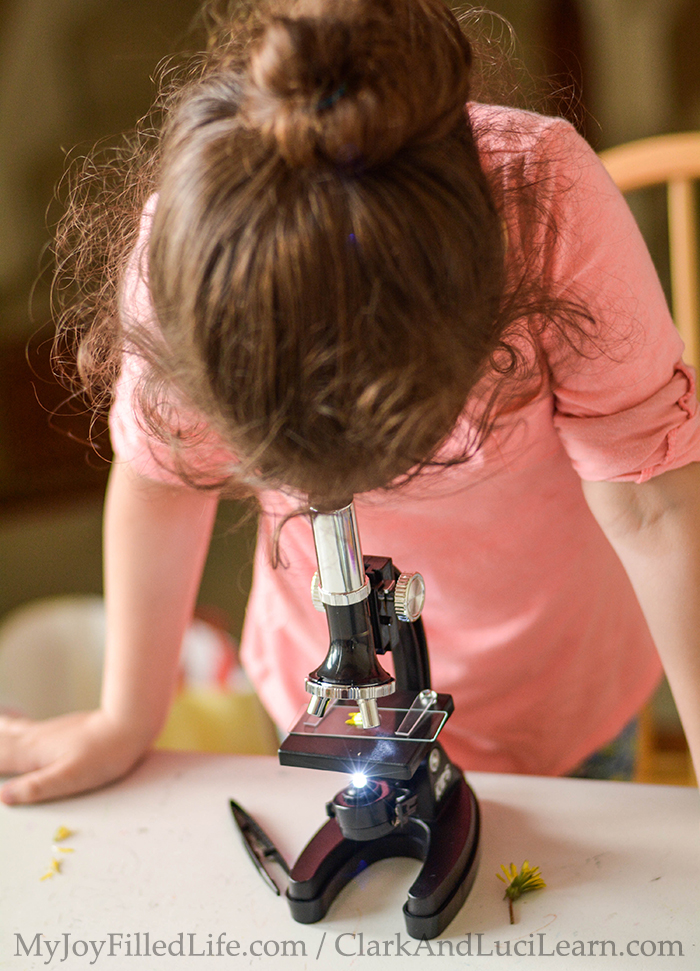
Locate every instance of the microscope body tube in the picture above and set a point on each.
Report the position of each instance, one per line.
(351, 668)
(341, 568)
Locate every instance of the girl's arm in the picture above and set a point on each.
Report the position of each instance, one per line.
(655, 530)
(156, 540)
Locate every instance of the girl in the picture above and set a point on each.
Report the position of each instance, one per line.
(345, 282)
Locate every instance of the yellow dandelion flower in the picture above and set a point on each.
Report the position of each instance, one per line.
(520, 882)
(355, 720)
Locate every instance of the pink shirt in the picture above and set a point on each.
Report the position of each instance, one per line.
(531, 621)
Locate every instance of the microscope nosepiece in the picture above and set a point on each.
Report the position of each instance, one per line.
(365, 695)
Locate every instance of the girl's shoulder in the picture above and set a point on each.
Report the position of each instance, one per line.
(499, 124)
(544, 176)
(525, 138)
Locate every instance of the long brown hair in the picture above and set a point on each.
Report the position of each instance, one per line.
(327, 260)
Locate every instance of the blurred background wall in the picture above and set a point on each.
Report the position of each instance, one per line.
(72, 72)
(75, 71)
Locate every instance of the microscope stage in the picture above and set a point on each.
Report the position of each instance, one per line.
(335, 743)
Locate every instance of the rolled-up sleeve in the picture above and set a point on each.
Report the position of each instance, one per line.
(653, 436)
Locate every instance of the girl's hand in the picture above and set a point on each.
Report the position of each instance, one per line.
(156, 541)
(65, 755)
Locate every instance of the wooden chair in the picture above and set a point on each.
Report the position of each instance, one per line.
(675, 161)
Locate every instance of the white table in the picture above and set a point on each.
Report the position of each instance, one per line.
(157, 856)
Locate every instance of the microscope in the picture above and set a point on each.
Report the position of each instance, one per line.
(405, 798)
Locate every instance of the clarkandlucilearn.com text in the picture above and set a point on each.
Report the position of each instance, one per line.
(351, 945)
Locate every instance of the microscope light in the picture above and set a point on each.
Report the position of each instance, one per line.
(359, 780)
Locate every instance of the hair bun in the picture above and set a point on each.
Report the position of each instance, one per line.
(351, 82)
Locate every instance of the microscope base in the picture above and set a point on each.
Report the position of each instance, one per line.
(448, 846)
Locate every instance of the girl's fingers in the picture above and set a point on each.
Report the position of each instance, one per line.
(51, 782)
(14, 756)
(64, 755)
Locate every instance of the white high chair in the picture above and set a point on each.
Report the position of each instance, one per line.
(51, 654)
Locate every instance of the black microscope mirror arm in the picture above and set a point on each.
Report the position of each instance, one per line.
(405, 639)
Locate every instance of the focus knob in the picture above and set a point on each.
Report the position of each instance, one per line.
(409, 596)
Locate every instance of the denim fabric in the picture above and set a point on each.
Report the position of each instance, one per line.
(617, 760)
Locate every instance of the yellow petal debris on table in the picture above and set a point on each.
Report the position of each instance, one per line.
(62, 833)
(519, 882)
(55, 868)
